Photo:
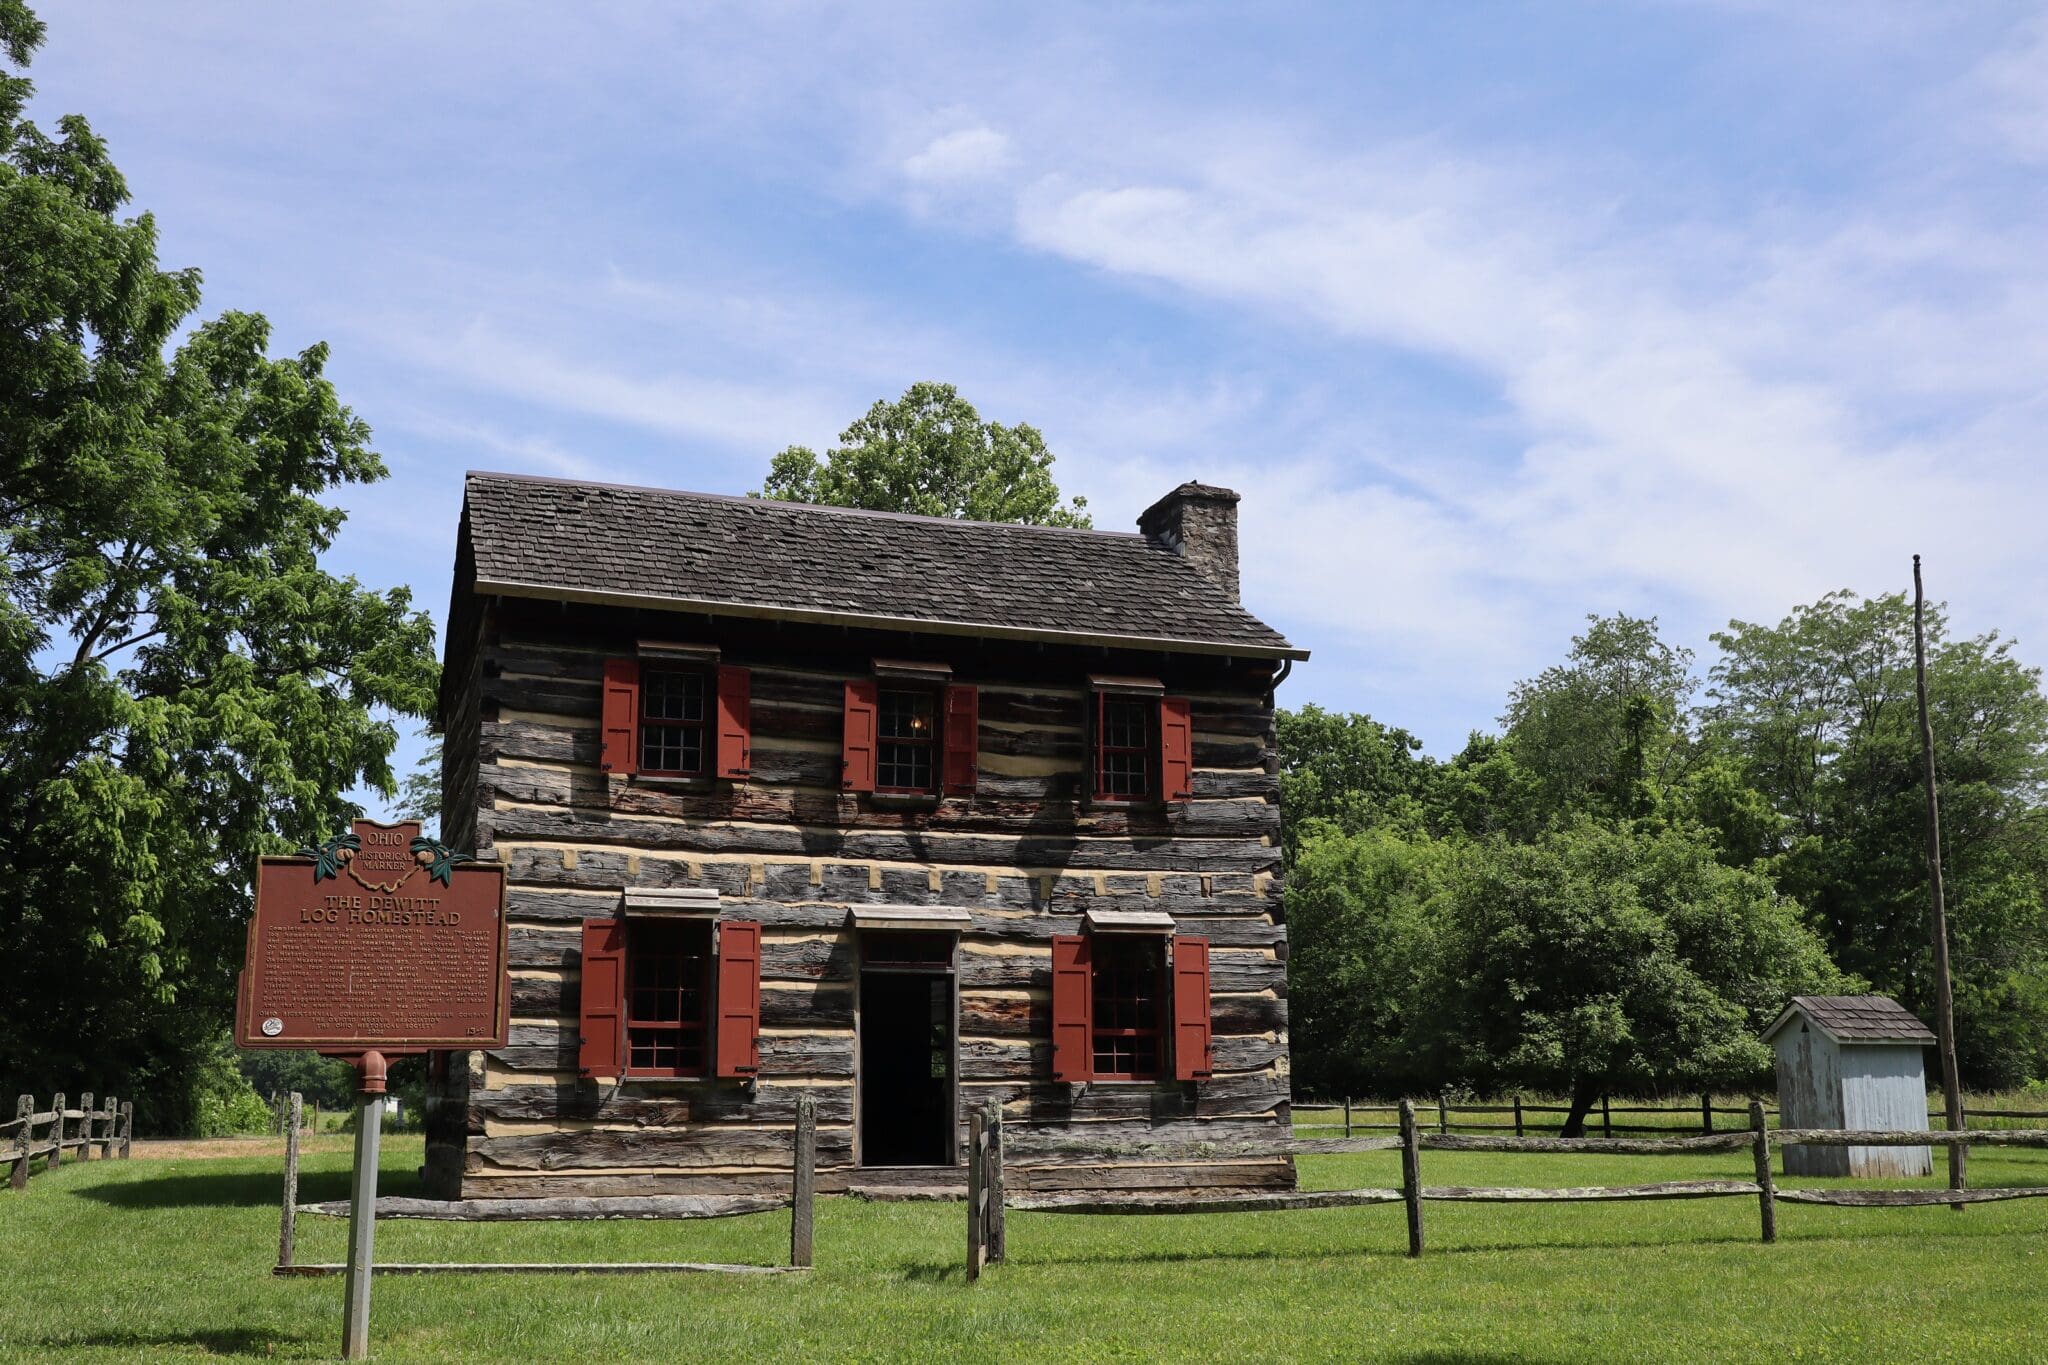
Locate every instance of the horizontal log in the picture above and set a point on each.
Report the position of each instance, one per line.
(1669, 1189)
(1173, 1140)
(696, 1146)
(1199, 1203)
(634, 833)
(1908, 1198)
(559, 1210)
(1969, 1137)
(643, 1184)
(662, 1105)
(789, 881)
(314, 1270)
(988, 813)
(1465, 1142)
(1252, 1093)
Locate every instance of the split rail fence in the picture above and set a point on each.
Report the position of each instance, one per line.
(987, 1205)
(800, 1201)
(1520, 1117)
(115, 1138)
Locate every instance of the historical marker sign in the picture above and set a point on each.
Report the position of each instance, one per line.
(378, 939)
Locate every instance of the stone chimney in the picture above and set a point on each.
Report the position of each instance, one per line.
(1198, 522)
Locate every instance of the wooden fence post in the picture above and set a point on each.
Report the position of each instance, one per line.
(977, 1165)
(56, 1132)
(85, 1125)
(288, 1217)
(1347, 1116)
(23, 1108)
(1606, 1119)
(111, 1112)
(1706, 1113)
(994, 1182)
(1411, 1176)
(1767, 1190)
(127, 1129)
(1443, 1115)
(1518, 1113)
(804, 1179)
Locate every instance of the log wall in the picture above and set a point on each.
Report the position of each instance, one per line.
(1024, 857)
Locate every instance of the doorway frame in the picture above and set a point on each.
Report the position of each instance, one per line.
(950, 970)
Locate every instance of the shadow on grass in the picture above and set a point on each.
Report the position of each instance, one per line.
(220, 1190)
(225, 1341)
(927, 1273)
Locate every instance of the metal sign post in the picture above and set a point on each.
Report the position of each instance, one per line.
(362, 1207)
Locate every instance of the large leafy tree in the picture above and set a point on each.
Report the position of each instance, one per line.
(182, 685)
(1819, 712)
(1604, 730)
(1606, 958)
(930, 452)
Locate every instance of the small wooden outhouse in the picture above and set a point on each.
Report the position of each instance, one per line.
(1856, 1062)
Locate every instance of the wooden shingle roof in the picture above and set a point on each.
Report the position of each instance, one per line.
(1855, 1019)
(526, 536)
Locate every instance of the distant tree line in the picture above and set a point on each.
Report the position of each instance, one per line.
(1619, 889)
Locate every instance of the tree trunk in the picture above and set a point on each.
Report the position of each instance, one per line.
(1584, 1094)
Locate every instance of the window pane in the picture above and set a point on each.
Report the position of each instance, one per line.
(906, 726)
(666, 968)
(906, 715)
(666, 695)
(1126, 999)
(1125, 723)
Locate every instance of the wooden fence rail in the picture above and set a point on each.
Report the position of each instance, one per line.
(799, 1202)
(1523, 1114)
(109, 1127)
(987, 1204)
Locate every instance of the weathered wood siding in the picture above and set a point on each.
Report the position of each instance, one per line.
(1868, 1087)
(1023, 856)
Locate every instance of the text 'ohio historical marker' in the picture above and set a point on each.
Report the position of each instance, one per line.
(379, 939)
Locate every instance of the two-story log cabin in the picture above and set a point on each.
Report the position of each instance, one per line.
(904, 813)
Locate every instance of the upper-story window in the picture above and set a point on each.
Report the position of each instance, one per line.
(1140, 742)
(673, 719)
(910, 731)
(1123, 759)
(676, 712)
(907, 740)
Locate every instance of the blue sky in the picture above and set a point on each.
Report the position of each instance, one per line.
(1497, 315)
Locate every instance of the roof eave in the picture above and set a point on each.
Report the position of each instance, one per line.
(818, 616)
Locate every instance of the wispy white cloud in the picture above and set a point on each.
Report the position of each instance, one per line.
(964, 154)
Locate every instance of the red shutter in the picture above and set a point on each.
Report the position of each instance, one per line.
(621, 716)
(857, 752)
(1191, 1009)
(735, 724)
(739, 998)
(601, 1047)
(963, 738)
(1073, 1049)
(1176, 750)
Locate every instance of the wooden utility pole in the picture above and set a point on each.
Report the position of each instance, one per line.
(1944, 991)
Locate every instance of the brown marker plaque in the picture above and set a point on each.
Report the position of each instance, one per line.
(377, 939)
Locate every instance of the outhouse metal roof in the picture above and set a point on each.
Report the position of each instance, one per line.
(567, 540)
(1855, 1019)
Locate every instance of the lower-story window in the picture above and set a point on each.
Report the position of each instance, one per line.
(668, 993)
(1128, 1006)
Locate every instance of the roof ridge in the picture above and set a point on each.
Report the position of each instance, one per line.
(749, 500)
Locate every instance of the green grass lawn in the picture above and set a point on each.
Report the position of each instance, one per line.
(170, 1258)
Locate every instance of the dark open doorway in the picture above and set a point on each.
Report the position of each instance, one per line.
(906, 1068)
